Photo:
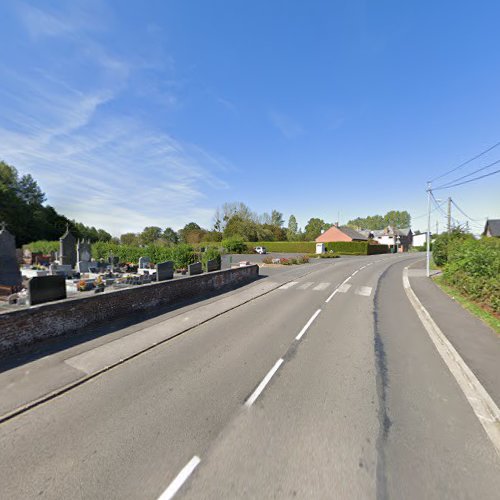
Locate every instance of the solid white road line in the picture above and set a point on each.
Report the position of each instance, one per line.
(251, 400)
(483, 405)
(354, 273)
(305, 285)
(321, 286)
(288, 285)
(363, 290)
(180, 479)
(307, 325)
(344, 288)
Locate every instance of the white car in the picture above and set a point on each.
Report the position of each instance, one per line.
(260, 250)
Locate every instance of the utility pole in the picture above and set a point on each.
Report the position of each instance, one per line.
(428, 266)
(449, 214)
(437, 227)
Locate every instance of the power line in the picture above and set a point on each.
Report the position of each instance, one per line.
(463, 213)
(470, 180)
(445, 185)
(466, 162)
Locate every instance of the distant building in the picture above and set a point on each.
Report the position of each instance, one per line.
(400, 238)
(419, 240)
(492, 228)
(342, 233)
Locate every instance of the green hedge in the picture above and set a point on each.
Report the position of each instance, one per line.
(284, 246)
(378, 249)
(42, 246)
(356, 248)
(473, 267)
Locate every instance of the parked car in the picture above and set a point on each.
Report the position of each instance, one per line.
(260, 250)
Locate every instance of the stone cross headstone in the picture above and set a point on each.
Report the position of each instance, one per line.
(195, 268)
(164, 270)
(46, 289)
(144, 262)
(83, 251)
(67, 249)
(10, 275)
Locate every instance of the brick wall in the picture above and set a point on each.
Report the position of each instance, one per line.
(22, 327)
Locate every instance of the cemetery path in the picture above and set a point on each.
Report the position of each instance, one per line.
(276, 399)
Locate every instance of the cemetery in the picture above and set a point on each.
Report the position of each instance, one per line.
(69, 291)
(71, 271)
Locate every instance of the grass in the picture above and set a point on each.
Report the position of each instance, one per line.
(484, 315)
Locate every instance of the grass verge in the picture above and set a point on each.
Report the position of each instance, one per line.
(487, 317)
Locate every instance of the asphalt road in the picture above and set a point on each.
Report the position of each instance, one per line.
(360, 406)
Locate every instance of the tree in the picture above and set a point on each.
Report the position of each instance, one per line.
(150, 234)
(129, 239)
(183, 233)
(293, 228)
(277, 218)
(238, 226)
(314, 227)
(397, 219)
(29, 191)
(170, 235)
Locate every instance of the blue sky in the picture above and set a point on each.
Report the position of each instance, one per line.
(143, 113)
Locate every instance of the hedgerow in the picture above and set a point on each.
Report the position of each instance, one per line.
(284, 246)
(473, 268)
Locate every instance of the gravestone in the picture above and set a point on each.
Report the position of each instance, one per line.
(46, 289)
(195, 268)
(83, 251)
(144, 262)
(164, 271)
(67, 249)
(83, 266)
(213, 265)
(10, 275)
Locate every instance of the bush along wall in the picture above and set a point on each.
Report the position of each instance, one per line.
(284, 246)
(356, 248)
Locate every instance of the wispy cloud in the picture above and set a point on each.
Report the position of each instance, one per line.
(98, 162)
(286, 125)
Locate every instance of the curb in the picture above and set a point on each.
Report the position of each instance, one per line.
(481, 402)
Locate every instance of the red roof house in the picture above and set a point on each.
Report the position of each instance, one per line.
(342, 233)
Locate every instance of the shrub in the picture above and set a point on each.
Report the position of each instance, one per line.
(183, 255)
(348, 247)
(444, 243)
(473, 268)
(42, 246)
(284, 246)
(235, 244)
(210, 253)
(329, 255)
(267, 260)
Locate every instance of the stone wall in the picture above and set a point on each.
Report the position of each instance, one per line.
(25, 326)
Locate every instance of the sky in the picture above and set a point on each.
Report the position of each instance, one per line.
(139, 113)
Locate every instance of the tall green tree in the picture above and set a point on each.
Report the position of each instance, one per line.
(277, 218)
(150, 234)
(170, 235)
(314, 227)
(293, 228)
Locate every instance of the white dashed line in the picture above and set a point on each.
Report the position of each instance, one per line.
(180, 479)
(307, 325)
(364, 291)
(306, 285)
(251, 400)
(321, 286)
(355, 272)
(288, 285)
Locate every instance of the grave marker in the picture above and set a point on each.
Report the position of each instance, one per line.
(164, 271)
(46, 289)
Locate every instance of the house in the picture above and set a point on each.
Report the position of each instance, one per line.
(420, 240)
(342, 233)
(492, 228)
(394, 237)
